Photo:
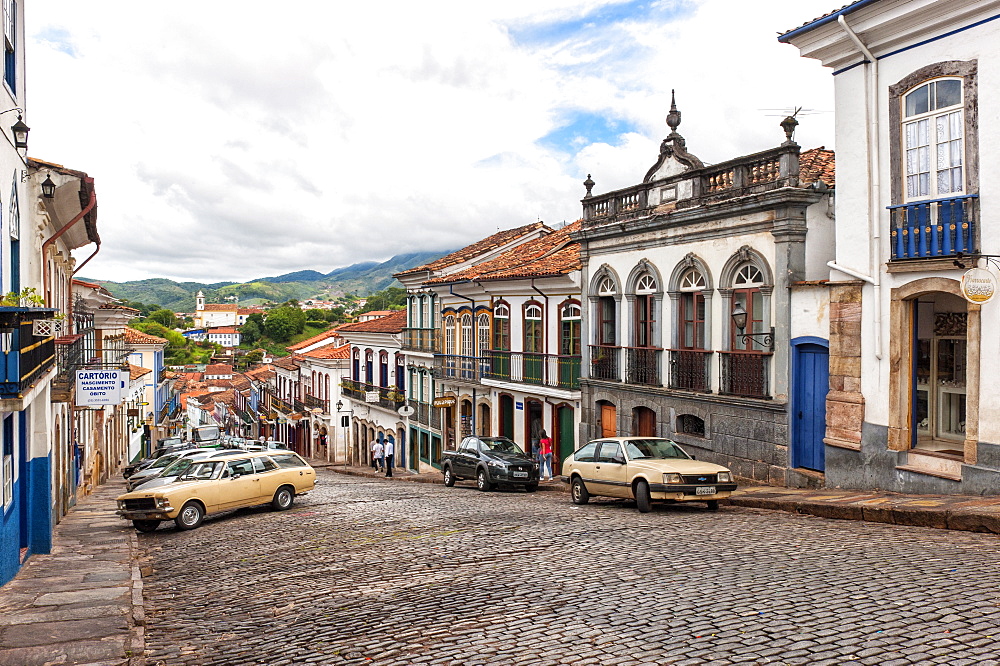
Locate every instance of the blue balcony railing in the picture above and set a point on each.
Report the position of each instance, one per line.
(934, 228)
(24, 356)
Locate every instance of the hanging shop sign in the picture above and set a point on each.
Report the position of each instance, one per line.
(444, 401)
(96, 388)
(979, 285)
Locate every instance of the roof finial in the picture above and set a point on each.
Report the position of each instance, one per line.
(674, 117)
(589, 184)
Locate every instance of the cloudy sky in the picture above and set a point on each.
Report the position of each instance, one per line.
(236, 139)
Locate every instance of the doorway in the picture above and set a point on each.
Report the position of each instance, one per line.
(564, 437)
(810, 384)
(533, 425)
(609, 419)
(940, 344)
(507, 417)
(484, 426)
(643, 422)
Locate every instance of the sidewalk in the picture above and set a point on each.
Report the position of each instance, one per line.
(81, 603)
(952, 512)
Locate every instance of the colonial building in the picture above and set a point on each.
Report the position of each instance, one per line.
(146, 351)
(911, 408)
(323, 361)
(435, 420)
(375, 390)
(705, 313)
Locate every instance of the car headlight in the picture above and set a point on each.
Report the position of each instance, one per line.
(496, 463)
(672, 477)
(162, 503)
(121, 504)
(725, 477)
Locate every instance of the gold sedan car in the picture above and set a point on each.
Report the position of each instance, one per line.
(644, 469)
(219, 484)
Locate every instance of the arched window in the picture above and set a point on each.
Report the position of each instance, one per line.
(356, 369)
(746, 293)
(501, 327)
(401, 373)
(645, 311)
(569, 316)
(425, 314)
(933, 139)
(467, 338)
(383, 369)
(534, 340)
(607, 320)
(483, 333)
(369, 366)
(449, 335)
(691, 315)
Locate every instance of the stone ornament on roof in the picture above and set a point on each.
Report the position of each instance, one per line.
(674, 145)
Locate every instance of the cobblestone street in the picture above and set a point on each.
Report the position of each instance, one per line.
(370, 571)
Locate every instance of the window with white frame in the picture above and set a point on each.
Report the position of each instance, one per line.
(483, 333)
(607, 320)
(9, 44)
(449, 335)
(933, 139)
(691, 315)
(501, 327)
(569, 344)
(467, 337)
(533, 329)
(645, 314)
(746, 292)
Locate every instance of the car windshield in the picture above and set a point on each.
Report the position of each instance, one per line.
(201, 470)
(658, 449)
(501, 444)
(163, 461)
(177, 467)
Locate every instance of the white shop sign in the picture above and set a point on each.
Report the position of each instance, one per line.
(100, 387)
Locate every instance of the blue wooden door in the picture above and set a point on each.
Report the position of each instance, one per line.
(811, 382)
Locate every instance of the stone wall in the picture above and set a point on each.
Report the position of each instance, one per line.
(845, 404)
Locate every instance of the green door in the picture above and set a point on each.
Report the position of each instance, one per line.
(567, 438)
(507, 417)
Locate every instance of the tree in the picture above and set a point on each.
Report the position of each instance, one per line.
(163, 317)
(315, 314)
(175, 341)
(253, 357)
(280, 325)
(251, 332)
(256, 318)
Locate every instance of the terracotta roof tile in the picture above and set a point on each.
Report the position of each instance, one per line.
(116, 306)
(134, 337)
(286, 363)
(329, 351)
(250, 311)
(134, 371)
(553, 254)
(223, 330)
(313, 340)
(220, 307)
(468, 252)
(219, 369)
(394, 323)
(818, 164)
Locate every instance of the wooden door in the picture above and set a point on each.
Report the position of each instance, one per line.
(609, 420)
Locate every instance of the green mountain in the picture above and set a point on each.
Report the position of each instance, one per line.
(362, 279)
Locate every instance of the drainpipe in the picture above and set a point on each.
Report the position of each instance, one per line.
(91, 204)
(874, 162)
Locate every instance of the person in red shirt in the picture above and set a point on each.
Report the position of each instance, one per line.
(545, 453)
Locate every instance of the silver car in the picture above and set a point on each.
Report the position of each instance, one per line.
(180, 466)
(161, 464)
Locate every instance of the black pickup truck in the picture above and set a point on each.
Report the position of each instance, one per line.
(490, 461)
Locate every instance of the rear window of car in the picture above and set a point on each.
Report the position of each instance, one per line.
(287, 460)
(263, 465)
(242, 467)
(586, 454)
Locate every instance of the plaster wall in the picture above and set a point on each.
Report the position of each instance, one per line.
(810, 306)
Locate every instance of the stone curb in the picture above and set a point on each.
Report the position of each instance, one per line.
(413, 478)
(137, 627)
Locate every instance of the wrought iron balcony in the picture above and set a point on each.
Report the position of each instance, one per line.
(312, 402)
(464, 368)
(426, 414)
(532, 368)
(934, 228)
(605, 362)
(745, 373)
(690, 369)
(24, 356)
(642, 365)
(421, 339)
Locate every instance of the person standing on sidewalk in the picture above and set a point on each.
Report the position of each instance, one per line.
(390, 451)
(545, 457)
(377, 452)
(374, 457)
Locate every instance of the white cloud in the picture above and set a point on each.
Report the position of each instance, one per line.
(232, 140)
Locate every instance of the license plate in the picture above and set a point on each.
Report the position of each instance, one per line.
(704, 490)
(520, 475)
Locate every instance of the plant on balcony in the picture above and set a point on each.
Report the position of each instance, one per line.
(396, 396)
(26, 298)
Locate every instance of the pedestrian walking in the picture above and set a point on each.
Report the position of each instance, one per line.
(390, 452)
(545, 456)
(377, 452)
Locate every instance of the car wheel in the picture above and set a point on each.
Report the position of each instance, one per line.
(579, 491)
(642, 500)
(283, 499)
(482, 481)
(531, 487)
(449, 478)
(190, 516)
(713, 505)
(145, 525)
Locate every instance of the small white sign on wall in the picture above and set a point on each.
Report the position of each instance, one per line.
(95, 388)
(979, 285)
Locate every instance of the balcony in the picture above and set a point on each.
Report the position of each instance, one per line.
(530, 368)
(745, 374)
(352, 389)
(605, 362)
(389, 397)
(463, 368)
(25, 357)
(690, 369)
(934, 228)
(642, 366)
(280, 405)
(747, 175)
(426, 414)
(421, 339)
(312, 402)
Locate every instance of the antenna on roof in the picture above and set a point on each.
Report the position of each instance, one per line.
(793, 111)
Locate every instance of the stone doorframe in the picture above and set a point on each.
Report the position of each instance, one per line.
(901, 360)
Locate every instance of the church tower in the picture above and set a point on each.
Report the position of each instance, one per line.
(199, 301)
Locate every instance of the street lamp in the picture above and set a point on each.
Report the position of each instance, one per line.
(20, 131)
(765, 340)
(48, 187)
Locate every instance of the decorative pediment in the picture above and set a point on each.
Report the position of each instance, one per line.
(674, 156)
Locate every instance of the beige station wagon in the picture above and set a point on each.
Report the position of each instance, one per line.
(644, 469)
(219, 484)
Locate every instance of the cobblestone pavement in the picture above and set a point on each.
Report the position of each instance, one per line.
(371, 571)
